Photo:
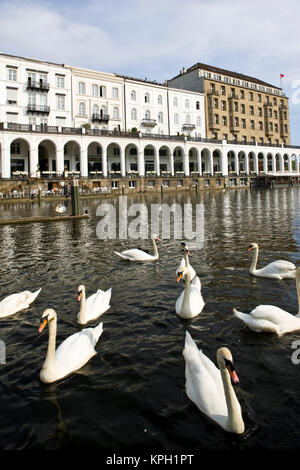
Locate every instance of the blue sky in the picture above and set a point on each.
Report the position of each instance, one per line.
(155, 39)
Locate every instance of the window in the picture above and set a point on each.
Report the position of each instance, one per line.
(12, 74)
(32, 98)
(133, 95)
(60, 102)
(176, 118)
(216, 119)
(223, 105)
(43, 78)
(175, 101)
(235, 106)
(259, 97)
(212, 87)
(15, 148)
(133, 114)
(188, 119)
(260, 112)
(102, 91)
(60, 82)
(198, 121)
(95, 90)
(115, 184)
(251, 110)
(252, 124)
(250, 96)
(197, 105)
(147, 114)
(243, 123)
(116, 112)
(236, 121)
(81, 88)
(31, 77)
(242, 94)
(159, 99)
(147, 98)
(216, 103)
(96, 109)
(223, 90)
(160, 117)
(275, 114)
(243, 109)
(187, 103)
(260, 125)
(82, 109)
(276, 127)
(224, 120)
(115, 93)
(132, 184)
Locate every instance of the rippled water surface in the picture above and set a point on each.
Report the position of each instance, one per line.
(131, 395)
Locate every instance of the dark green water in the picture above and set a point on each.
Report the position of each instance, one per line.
(131, 395)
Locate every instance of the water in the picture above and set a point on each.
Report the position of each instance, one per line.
(131, 395)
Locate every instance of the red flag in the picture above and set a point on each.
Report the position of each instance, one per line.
(281, 75)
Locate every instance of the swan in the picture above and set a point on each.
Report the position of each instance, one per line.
(270, 318)
(190, 302)
(210, 388)
(60, 208)
(16, 302)
(72, 354)
(277, 269)
(136, 254)
(93, 306)
(185, 262)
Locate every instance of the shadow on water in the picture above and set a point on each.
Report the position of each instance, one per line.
(131, 395)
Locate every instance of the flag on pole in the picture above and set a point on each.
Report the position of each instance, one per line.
(281, 75)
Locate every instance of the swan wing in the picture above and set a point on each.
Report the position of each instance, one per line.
(135, 255)
(203, 381)
(279, 268)
(15, 302)
(98, 302)
(257, 324)
(76, 350)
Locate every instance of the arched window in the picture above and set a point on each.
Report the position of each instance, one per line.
(116, 112)
(147, 114)
(133, 114)
(147, 98)
(175, 101)
(187, 103)
(159, 99)
(133, 95)
(188, 119)
(160, 117)
(95, 109)
(82, 109)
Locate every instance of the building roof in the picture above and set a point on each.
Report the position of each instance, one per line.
(240, 76)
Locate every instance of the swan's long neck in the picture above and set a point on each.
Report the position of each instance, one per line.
(186, 295)
(155, 248)
(82, 311)
(235, 421)
(254, 260)
(50, 356)
(187, 261)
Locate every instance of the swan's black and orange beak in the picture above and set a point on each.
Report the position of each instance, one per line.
(79, 296)
(188, 252)
(42, 325)
(179, 277)
(250, 248)
(231, 369)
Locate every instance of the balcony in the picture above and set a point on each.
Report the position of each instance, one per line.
(96, 117)
(213, 92)
(233, 96)
(38, 85)
(148, 122)
(188, 126)
(35, 108)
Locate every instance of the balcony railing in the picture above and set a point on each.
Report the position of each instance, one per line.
(39, 85)
(188, 126)
(148, 122)
(35, 108)
(100, 117)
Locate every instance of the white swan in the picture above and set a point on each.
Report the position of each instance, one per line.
(93, 306)
(272, 319)
(190, 302)
(210, 388)
(60, 208)
(16, 302)
(72, 354)
(185, 262)
(277, 269)
(136, 254)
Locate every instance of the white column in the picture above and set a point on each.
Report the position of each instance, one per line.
(5, 162)
(60, 159)
(281, 163)
(157, 163)
(297, 163)
(84, 163)
(33, 162)
(199, 162)
(211, 163)
(122, 162)
(141, 164)
(104, 161)
(236, 164)
(256, 163)
(186, 166)
(172, 163)
(274, 163)
(224, 164)
(265, 164)
(246, 164)
(290, 163)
